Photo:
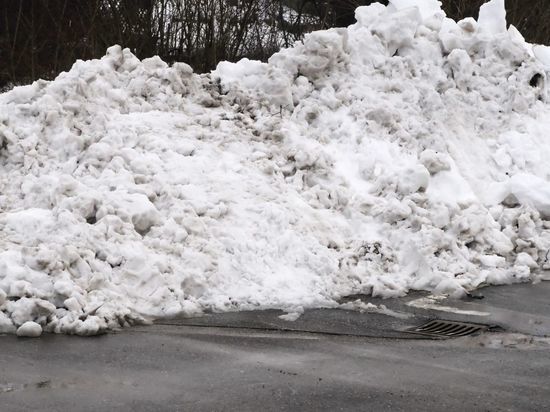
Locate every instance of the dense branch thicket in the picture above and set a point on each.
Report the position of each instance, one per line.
(40, 38)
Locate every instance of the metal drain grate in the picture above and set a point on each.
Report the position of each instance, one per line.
(448, 329)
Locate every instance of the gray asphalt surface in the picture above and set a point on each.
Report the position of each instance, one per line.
(177, 367)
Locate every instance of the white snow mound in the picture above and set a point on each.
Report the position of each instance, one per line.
(405, 152)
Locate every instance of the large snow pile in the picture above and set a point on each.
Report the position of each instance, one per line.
(407, 151)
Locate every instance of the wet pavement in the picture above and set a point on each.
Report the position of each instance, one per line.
(523, 308)
(326, 360)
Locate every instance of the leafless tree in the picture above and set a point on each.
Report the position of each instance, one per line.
(40, 38)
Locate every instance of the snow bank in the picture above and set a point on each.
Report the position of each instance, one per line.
(405, 152)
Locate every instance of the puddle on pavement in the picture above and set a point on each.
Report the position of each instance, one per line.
(507, 341)
(43, 384)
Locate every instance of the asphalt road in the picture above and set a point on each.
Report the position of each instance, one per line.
(177, 367)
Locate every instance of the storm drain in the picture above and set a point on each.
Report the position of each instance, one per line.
(447, 329)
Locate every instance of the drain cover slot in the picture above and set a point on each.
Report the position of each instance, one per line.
(447, 329)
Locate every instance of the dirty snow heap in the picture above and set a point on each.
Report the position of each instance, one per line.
(407, 151)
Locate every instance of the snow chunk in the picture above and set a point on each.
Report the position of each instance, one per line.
(524, 259)
(256, 76)
(434, 162)
(2, 296)
(462, 67)
(367, 15)
(398, 29)
(6, 325)
(28, 221)
(492, 17)
(135, 207)
(427, 8)
(29, 308)
(532, 191)
(414, 179)
(542, 53)
(29, 329)
(291, 316)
